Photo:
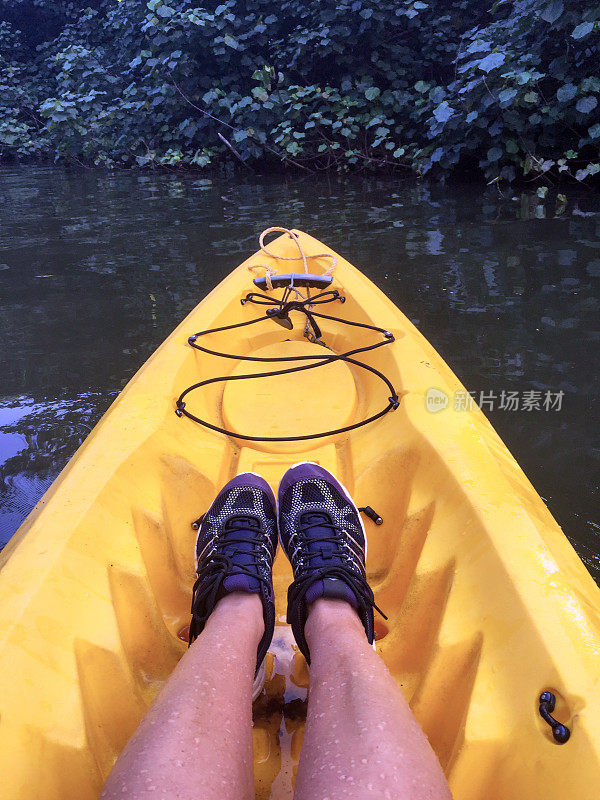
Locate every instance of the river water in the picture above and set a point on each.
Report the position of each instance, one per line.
(96, 269)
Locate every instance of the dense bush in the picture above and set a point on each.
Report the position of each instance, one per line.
(314, 84)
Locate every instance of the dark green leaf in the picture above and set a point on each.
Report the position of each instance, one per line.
(566, 92)
(584, 29)
(586, 104)
(443, 112)
(552, 11)
(491, 61)
(506, 96)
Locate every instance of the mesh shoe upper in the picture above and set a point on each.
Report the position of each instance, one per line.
(323, 536)
(235, 550)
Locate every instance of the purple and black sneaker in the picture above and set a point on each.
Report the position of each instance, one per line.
(323, 536)
(235, 549)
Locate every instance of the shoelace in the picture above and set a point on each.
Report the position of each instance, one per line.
(303, 582)
(219, 566)
(336, 540)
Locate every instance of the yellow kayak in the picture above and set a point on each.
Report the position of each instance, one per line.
(493, 622)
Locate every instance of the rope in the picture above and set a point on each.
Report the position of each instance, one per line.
(281, 311)
(303, 256)
(269, 270)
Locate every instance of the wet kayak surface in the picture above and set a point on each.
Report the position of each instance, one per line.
(96, 269)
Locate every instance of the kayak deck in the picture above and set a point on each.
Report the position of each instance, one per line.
(488, 604)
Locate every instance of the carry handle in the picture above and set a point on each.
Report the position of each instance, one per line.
(304, 279)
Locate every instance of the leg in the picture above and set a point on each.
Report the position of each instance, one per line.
(196, 740)
(361, 738)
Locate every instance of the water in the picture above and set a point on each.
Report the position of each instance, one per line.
(96, 269)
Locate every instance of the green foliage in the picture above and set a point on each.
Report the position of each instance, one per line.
(510, 90)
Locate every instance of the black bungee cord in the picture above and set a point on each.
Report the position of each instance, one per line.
(280, 314)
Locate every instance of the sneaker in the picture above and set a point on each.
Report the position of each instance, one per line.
(235, 549)
(323, 536)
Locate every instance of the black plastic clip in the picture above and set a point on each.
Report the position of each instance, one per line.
(371, 514)
(560, 732)
(180, 407)
(197, 522)
(389, 336)
(192, 339)
(281, 316)
(394, 402)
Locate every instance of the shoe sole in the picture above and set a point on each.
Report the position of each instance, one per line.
(259, 679)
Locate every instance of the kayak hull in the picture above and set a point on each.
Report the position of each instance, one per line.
(488, 604)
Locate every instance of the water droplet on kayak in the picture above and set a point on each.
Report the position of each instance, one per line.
(184, 633)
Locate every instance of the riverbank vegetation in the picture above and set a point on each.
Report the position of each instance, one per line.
(510, 89)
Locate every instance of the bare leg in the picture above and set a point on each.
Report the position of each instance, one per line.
(196, 740)
(361, 737)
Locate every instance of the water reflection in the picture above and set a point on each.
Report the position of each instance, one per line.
(36, 441)
(96, 269)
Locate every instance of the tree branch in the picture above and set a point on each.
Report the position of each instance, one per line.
(233, 150)
(232, 128)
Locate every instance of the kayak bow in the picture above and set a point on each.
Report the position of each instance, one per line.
(493, 629)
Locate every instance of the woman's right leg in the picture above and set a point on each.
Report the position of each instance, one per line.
(196, 740)
(361, 739)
